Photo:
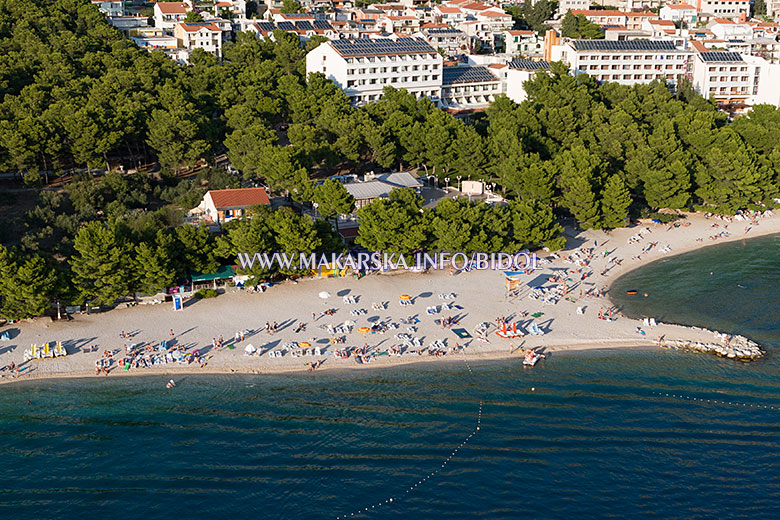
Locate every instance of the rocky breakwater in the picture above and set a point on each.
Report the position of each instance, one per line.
(732, 347)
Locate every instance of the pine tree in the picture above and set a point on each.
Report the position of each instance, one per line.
(102, 265)
(615, 201)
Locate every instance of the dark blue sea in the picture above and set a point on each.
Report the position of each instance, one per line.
(606, 434)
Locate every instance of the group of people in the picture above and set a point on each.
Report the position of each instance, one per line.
(448, 322)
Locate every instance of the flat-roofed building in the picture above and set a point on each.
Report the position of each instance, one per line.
(626, 62)
(731, 79)
(468, 88)
(520, 71)
(363, 67)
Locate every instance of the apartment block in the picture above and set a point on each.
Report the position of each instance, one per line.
(363, 67)
(625, 62)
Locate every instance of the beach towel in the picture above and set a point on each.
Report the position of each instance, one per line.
(461, 333)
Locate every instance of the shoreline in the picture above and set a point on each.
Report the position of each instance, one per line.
(397, 363)
(480, 296)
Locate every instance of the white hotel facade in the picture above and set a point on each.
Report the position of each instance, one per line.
(626, 62)
(363, 67)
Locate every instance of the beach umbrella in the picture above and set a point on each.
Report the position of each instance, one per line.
(250, 349)
(324, 295)
(364, 329)
(404, 297)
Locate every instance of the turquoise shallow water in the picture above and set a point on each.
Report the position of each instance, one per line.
(598, 438)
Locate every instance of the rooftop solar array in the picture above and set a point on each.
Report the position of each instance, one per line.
(715, 56)
(445, 32)
(301, 25)
(624, 45)
(372, 47)
(519, 63)
(452, 75)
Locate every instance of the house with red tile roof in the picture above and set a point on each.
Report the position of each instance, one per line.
(220, 206)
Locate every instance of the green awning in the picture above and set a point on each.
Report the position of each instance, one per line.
(225, 271)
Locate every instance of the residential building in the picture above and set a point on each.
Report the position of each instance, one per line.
(630, 5)
(449, 15)
(636, 20)
(363, 67)
(374, 186)
(466, 88)
(604, 17)
(155, 43)
(110, 7)
(406, 25)
(233, 8)
(524, 43)
(199, 35)
(726, 29)
(451, 41)
(724, 8)
(678, 13)
(728, 78)
(220, 206)
(625, 62)
(659, 28)
(129, 25)
(168, 14)
(574, 5)
(520, 71)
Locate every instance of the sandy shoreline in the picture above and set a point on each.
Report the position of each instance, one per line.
(479, 294)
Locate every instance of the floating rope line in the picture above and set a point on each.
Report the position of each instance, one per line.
(717, 401)
(429, 476)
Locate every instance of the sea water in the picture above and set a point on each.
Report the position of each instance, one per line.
(604, 434)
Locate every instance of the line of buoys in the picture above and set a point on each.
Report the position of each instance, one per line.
(433, 474)
(716, 401)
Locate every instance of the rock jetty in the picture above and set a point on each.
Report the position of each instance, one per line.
(732, 347)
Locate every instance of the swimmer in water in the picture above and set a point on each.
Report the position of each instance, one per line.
(170, 384)
(740, 286)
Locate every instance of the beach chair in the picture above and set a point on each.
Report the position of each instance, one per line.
(653, 323)
(317, 351)
(646, 322)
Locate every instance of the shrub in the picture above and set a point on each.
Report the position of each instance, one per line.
(205, 293)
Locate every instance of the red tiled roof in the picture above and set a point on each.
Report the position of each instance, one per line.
(680, 6)
(237, 198)
(349, 232)
(197, 26)
(595, 12)
(172, 7)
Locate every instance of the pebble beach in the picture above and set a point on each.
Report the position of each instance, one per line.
(585, 268)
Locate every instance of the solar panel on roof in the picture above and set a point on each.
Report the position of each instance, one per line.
(321, 24)
(286, 26)
(304, 25)
(519, 63)
(624, 45)
(452, 75)
(367, 47)
(266, 26)
(713, 56)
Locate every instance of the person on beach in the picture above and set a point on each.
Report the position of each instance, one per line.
(172, 334)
